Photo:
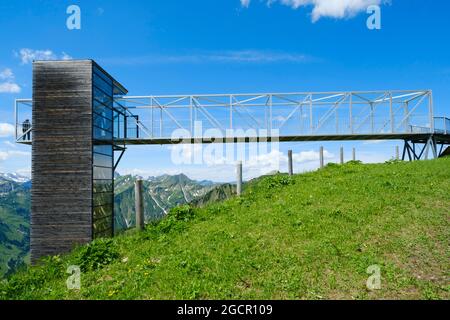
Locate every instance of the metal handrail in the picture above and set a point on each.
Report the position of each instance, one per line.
(399, 109)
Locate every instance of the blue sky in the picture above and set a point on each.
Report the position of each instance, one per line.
(183, 47)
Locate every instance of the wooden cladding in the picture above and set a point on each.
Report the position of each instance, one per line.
(61, 195)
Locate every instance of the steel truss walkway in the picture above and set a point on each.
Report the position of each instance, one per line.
(314, 116)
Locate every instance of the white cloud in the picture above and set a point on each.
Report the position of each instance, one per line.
(29, 55)
(6, 130)
(337, 9)
(220, 167)
(368, 142)
(5, 155)
(65, 56)
(245, 3)
(10, 144)
(26, 172)
(307, 156)
(261, 164)
(256, 56)
(9, 86)
(184, 153)
(6, 74)
(237, 56)
(265, 162)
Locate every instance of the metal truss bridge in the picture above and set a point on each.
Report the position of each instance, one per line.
(310, 116)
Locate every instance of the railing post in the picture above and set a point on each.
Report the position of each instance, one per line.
(160, 122)
(321, 157)
(391, 113)
(125, 126)
(342, 155)
(290, 164)
(139, 204)
(137, 126)
(231, 112)
(406, 112)
(239, 178)
(372, 121)
(351, 112)
(430, 102)
(152, 115)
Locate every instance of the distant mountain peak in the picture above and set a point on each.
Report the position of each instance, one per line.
(175, 178)
(14, 177)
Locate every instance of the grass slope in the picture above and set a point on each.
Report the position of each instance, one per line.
(311, 236)
(14, 229)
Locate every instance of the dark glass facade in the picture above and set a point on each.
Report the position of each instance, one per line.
(103, 154)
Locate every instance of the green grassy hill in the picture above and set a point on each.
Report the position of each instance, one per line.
(14, 226)
(311, 236)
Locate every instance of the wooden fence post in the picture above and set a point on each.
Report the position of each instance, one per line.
(239, 178)
(321, 158)
(290, 165)
(139, 204)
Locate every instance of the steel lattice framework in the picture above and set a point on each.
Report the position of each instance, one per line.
(302, 115)
(306, 116)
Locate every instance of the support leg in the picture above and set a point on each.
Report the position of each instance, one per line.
(408, 148)
(433, 147)
(404, 151)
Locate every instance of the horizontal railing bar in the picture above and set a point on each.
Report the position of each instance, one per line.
(343, 105)
(277, 94)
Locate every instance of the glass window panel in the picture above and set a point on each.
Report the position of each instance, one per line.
(102, 229)
(103, 186)
(106, 221)
(119, 105)
(103, 196)
(102, 160)
(103, 123)
(103, 75)
(104, 149)
(102, 110)
(100, 83)
(100, 212)
(103, 97)
(102, 225)
(119, 126)
(101, 199)
(103, 173)
(118, 90)
(103, 234)
(101, 134)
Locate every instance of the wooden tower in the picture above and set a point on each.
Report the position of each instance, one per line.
(72, 157)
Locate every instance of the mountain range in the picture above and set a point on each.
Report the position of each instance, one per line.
(160, 195)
